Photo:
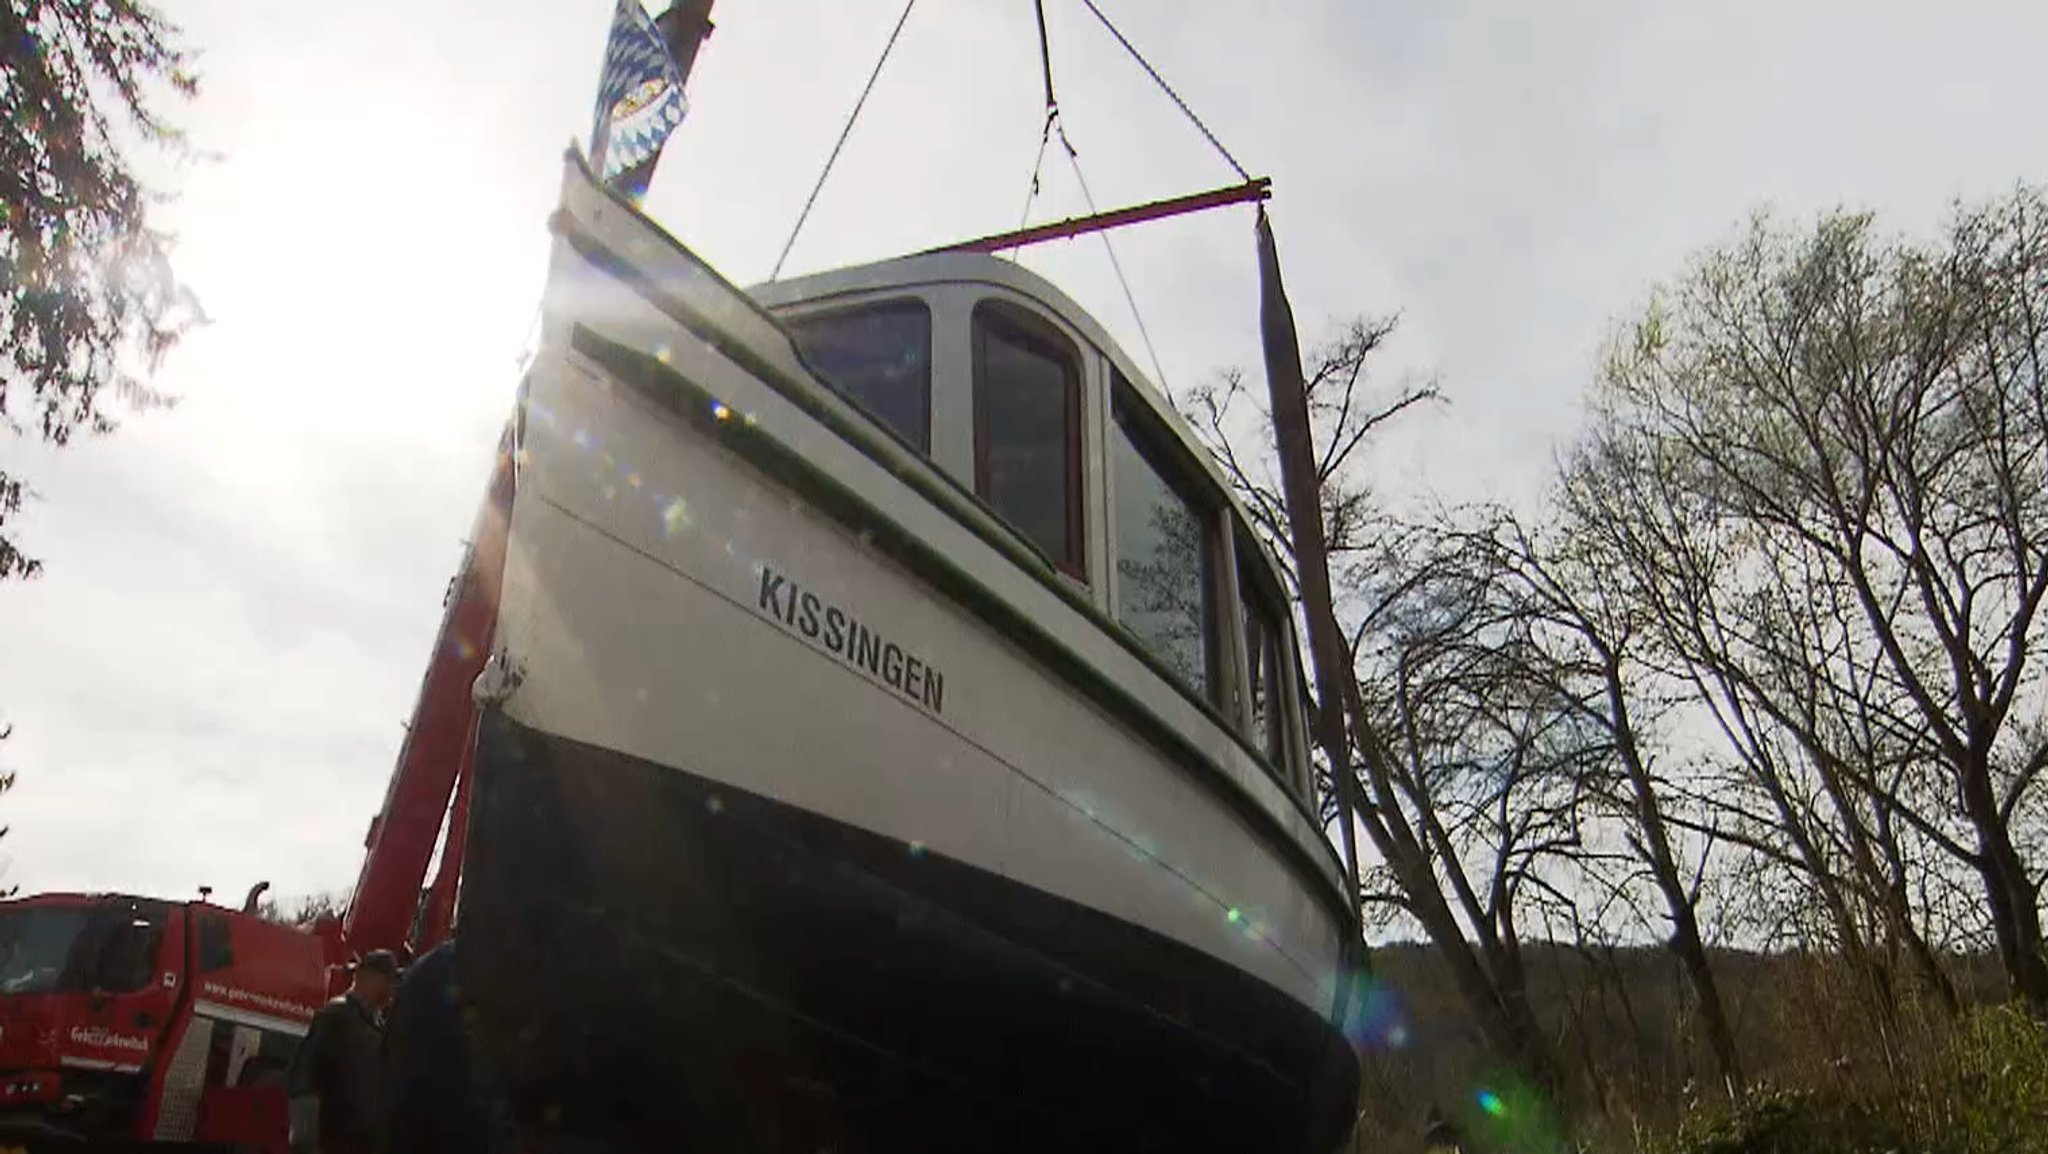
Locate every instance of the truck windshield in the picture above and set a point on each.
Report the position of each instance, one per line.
(35, 945)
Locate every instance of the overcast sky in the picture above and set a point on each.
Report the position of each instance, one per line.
(208, 683)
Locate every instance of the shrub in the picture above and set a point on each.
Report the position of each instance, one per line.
(1983, 1091)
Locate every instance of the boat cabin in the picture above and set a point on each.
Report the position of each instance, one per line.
(1016, 394)
(886, 637)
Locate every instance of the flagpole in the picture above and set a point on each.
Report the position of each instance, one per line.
(683, 27)
(686, 26)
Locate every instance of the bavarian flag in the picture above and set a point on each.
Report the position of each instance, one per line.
(639, 101)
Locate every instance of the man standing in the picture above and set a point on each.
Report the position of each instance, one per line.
(433, 1103)
(337, 1074)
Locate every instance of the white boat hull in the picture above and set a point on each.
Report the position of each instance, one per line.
(823, 852)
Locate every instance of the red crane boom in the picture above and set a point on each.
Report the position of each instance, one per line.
(435, 761)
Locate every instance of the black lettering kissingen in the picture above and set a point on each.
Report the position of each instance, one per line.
(867, 649)
(771, 592)
(837, 631)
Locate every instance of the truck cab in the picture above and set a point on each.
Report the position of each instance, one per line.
(136, 1018)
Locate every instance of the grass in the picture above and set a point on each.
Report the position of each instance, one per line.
(1982, 1090)
(1830, 1072)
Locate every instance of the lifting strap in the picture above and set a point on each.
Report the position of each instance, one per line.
(845, 132)
(1053, 124)
(1130, 298)
(1170, 93)
(1052, 115)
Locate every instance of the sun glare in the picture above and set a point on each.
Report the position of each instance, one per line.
(353, 296)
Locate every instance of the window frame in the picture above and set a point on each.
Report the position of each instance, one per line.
(112, 925)
(1170, 461)
(213, 942)
(1026, 327)
(1300, 744)
(1257, 591)
(791, 322)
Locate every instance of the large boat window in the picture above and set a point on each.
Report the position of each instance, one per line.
(1162, 552)
(878, 356)
(1027, 430)
(1262, 641)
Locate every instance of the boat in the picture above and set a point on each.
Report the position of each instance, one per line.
(893, 739)
(892, 736)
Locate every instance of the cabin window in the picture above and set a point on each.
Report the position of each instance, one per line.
(1027, 430)
(1262, 640)
(1162, 550)
(118, 952)
(879, 357)
(216, 943)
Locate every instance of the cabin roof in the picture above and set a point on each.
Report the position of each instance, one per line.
(937, 268)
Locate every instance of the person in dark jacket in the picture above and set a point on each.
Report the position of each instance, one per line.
(336, 1078)
(433, 1101)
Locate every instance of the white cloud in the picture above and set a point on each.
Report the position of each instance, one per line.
(209, 683)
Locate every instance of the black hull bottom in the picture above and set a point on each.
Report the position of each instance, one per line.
(658, 961)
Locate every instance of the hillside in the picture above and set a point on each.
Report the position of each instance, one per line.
(1636, 1072)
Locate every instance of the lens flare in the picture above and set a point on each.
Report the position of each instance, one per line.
(675, 517)
(1374, 1018)
(1512, 1113)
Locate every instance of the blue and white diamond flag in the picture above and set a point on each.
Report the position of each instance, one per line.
(639, 100)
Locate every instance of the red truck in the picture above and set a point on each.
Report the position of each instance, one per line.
(138, 1018)
(138, 1023)
(132, 1022)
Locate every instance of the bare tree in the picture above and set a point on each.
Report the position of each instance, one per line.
(1422, 814)
(1826, 455)
(1817, 761)
(1575, 638)
(1346, 411)
(306, 910)
(1484, 762)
